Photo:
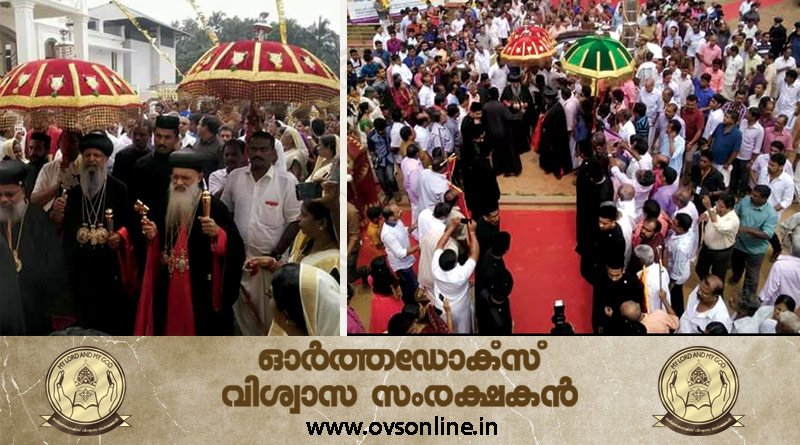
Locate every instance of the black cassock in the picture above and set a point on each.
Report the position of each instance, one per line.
(613, 294)
(554, 156)
(493, 318)
(497, 121)
(605, 246)
(521, 129)
(588, 197)
(94, 270)
(470, 147)
(149, 183)
(481, 191)
(12, 319)
(42, 280)
(207, 320)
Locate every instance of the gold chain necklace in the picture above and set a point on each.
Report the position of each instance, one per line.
(178, 261)
(15, 249)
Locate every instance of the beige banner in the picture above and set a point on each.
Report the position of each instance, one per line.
(174, 390)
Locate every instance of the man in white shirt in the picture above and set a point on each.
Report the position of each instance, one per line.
(399, 251)
(187, 140)
(411, 167)
(266, 211)
(233, 151)
(784, 277)
(780, 183)
(654, 276)
(734, 65)
(783, 65)
(398, 67)
(58, 175)
(433, 184)
(498, 75)
(426, 94)
(647, 70)
(451, 280)
(715, 116)
(681, 245)
(482, 58)
(642, 184)
(789, 95)
(704, 306)
(421, 132)
(502, 27)
(651, 98)
(441, 137)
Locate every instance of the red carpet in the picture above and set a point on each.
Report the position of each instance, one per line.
(545, 268)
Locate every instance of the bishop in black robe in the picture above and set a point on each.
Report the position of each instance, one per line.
(518, 98)
(499, 141)
(94, 268)
(554, 155)
(201, 258)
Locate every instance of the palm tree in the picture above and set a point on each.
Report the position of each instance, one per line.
(215, 20)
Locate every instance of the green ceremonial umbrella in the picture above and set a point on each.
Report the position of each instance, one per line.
(598, 57)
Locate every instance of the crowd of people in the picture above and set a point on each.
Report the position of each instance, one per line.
(172, 223)
(683, 171)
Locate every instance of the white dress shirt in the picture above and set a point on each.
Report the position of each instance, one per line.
(261, 209)
(752, 140)
(431, 189)
(694, 322)
(783, 279)
(781, 190)
(714, 118)
(217, 179)
(454, 286)
(787, 98)
(681, 250)
(395, 239)
(426, 96)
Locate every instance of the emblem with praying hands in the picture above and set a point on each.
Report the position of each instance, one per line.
(697, 403)
(84, 405)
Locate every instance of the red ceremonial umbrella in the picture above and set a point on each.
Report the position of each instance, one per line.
(81, 95)
(527, 46)
(260, 71)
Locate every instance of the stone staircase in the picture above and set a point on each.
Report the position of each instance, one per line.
(360, 36)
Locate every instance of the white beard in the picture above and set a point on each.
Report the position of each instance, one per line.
(14, 213)
(93, 179)
(181, 206)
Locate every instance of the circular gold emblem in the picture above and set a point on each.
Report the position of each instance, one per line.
(85, 388)
(698, 385)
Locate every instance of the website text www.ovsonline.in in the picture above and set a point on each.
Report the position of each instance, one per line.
(438, 427)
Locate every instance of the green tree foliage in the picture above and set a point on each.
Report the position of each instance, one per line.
(317, 38)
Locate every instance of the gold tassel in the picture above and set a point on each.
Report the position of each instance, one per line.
(146, 35)
(203, 21)
(281, 20)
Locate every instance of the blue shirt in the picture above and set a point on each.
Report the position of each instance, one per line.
(703, 96)
(725, 143)
(763, 218)
(794, 43)
(415, 63)
(370, 70)
(380, 145)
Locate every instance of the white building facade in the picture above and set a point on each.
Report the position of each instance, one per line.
(31, 29)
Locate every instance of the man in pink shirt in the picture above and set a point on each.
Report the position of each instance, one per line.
(717, 75)
(778, 132)
(708, 52)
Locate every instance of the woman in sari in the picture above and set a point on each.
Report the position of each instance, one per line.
(294, 150)
(386, 296)
(362, 190)
(327, 149)
(402, 97)
(316, 243)
(305, 303)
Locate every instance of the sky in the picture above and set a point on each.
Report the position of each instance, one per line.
(304, 11)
